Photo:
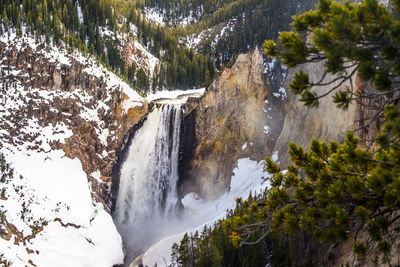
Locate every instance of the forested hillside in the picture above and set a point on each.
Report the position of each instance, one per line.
(102, 28)
(192, 39)
(225, 28)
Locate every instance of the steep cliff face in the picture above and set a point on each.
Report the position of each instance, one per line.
(247, 112)
(325, 122)
(239, 116)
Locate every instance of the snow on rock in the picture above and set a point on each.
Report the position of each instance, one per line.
(248, 177)
(267, 129)
(275, 156)
(96, 175)
(281, 93)
(216, 33)
(103, 137)
(80, 13)
(224, 32)
(143, 57)
(133, 50)
(176, 96)
(244, 146)
(18, 94)
(193, 40)
(159, 16)
(113, 82)
(154, 14)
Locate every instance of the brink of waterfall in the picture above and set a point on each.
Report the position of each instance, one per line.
(147, 202)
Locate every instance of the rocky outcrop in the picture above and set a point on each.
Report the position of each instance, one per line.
(63, 91)
(325, 122)
(238, 117)
(247, 112)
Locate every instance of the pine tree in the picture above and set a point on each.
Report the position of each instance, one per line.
(142, 80)
(131, 73)
(5, 19)
(366, 36)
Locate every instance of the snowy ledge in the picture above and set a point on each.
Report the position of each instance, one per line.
(174, 97)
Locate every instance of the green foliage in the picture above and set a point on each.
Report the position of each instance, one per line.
(347, 37)
(232, 242)
(345, 189)
(142, 81)
(58, 21)
(252, 22)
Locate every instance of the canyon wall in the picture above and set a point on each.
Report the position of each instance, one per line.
(249, 112)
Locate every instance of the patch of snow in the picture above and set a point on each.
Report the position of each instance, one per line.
(140, 56)
(282, 91)
(192, 41)
(154, 14)
(244, 146)
(103, 136)
(96, 175)
(229, 27)
(267, 129)
(114, 82)
(56, 187)
(158, 16)
(133, 29)
(174, 96)
(275, 156)
(80, 14)
(151, 60)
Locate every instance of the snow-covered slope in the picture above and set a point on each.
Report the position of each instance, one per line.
(48, 215)
(165, 16)
(53, 104)
(132, 50)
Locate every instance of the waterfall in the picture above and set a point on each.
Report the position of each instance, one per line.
(147, 197)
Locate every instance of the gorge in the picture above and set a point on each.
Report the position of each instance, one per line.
(110, 152)
(221, 133)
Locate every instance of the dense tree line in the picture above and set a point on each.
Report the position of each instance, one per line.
(253, 21)
(213, 245)
(181, 67)
(60, 21)
(79, 23)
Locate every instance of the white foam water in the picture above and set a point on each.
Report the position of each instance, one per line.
(147, 202)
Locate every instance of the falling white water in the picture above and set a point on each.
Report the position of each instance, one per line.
(147, 197)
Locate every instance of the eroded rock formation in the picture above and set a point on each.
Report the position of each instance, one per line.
(247, 112)
(66, 93)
